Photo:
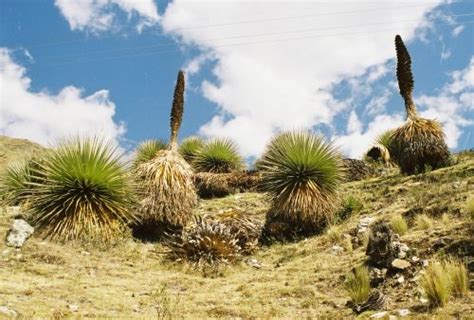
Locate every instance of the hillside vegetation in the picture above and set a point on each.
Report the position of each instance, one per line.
(135, 280)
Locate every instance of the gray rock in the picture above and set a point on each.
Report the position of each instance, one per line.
(401, 279)
(254, 263)
(19, 233)
(8, 312)
(400, 264)
(403, 312)
(73, 307)
(335, 249)
(379, 315)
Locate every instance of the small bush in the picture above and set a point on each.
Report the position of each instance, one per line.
(350, 206)
(423, 222)
(398, 224)
(436, 284)
(218, 156)
(334, 234)
(458, 277)
(357, 285)
(190, 147)
(147, 150)
(204, 241)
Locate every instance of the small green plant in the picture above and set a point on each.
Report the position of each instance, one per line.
(357, 284)
(458, 276)
(147, 150)
(398, 224)
(218, 156)
(18, 181)
(423, 222)
(82, 191)
(350, 206)
(435, 283)
(190, 147)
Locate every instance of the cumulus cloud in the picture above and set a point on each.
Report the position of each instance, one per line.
(453, 105)
(275, 71)
(44, 117)
(100, 15)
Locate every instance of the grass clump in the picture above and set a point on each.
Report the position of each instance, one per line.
(190, 147)
(380, 151)
(168, 195)
(350, 206)
(147, 150)
(458, 277)
(470, 208)
(302, 173)
(18, 181)
(82, 191)
(357, 285)
(423, 222)
(399, 224)
(419, 144)
(218, 156)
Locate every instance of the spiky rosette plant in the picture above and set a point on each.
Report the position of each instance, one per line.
(218, 156)
(419, 143)
(82, 192)
(380, 151)
(147, 150)
(190, 146)
(302, 172)
(167, 189)
(18, 181)
(204, 241)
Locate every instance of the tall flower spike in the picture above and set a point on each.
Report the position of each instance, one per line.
(177, 110)
(405, 76)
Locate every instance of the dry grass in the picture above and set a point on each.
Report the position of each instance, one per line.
(423, 222)
(296, 280)
(470, 208)
(398, 224)
(436, 284)
(458, 277)
(357, 284)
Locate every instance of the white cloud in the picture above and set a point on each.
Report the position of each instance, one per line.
(453, 105)
(99, 15)
(273, 76)
(44, 117)
(457, 31)
(356, 142)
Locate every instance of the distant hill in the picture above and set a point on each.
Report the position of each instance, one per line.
(12, 149)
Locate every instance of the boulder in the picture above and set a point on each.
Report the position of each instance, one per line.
(400, 264)
(19, 233)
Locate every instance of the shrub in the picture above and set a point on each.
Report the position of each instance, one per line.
(18, 181)
(204, 241)
(423, 222)
(247, 230)
(418, 144)
(82, 192)
(398, 224)
(350, 206)
(147, 150)
(357, 285)
(380, 151)
(302, 172)
(458, 278)
(436, 284)
(167, 193)
(218, 156)
(189, 147)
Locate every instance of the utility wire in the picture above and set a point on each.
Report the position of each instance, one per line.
(257, 35)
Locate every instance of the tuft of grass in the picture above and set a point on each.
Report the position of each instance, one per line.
(218, 156)
(147, 150)
(82, 191)
(350, 206)
(190, 147)
(399, 224)
(435, 283)
(470, 208)
(302, 172)
(18, 181)
(357, 284)
(423, 222)
(334, 234)
(458, 277)
(380, 151)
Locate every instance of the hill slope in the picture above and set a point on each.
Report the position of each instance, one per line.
(296, 280)
(12, 149)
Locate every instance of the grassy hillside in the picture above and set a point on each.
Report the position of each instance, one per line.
(297, 280)
(12, 149)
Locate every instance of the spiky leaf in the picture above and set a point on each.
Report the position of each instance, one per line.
(190, 146)
(218, 156)
(147, 150)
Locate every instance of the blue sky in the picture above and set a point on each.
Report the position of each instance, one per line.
(109, 67)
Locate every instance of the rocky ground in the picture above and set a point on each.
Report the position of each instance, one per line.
(132, 279)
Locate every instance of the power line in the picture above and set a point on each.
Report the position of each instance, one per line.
(242, 22)
(246, 43)
(263, 35)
